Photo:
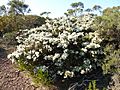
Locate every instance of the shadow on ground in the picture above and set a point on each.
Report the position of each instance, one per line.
(3, 53)
(82, 82)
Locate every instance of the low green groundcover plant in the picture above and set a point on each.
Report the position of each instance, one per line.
(64, 47)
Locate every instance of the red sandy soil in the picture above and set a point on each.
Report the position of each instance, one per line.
(12, 79)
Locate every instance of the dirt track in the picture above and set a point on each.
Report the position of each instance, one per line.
(12, 79)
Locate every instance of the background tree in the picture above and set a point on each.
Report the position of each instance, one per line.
(108, 26)
(78, 7)
(3, 10)
(18, 7)
(71, 12)
(88, 10)
(45, 13)
(66, 14)
(14, 7)
(97, 8)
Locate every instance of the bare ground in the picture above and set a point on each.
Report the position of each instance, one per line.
(13, 79)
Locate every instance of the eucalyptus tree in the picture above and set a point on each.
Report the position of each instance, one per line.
(66, 14)
(71, 12)
(3, 10)
(97, 8)
(88, 10)
(45, 13)
(14, 7)
(114, 10)
(76, 10)
(77, 7)
(18, 7)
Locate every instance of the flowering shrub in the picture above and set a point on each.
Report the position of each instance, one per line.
(63, 46)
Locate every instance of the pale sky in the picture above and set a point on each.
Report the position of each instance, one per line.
(58, 7)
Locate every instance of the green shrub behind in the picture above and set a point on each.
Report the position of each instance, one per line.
(17, 22)
(108, 26)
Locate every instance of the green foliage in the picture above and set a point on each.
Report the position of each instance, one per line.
(112, 60)
(9, 38)
(77, 4)
(97, 7)
(41, 77)
(80, 58)
(45, 13)
(64, 47)
(14, 7)
(77, 9)
(3, 10)
(109, 27)
(92, 85)
(15, 23)
(23, 66)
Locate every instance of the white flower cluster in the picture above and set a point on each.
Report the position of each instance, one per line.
(65, 42)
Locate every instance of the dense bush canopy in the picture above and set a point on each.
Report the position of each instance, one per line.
(109, 27)
(63, 46)
(16, 22)
(79, 45)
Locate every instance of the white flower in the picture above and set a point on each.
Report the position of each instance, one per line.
(44, 43)
(49, 57)
(65, 51)
(64, 56)
(85, 43)
(87, 69)
(93, 45)
(37, 54)
(97, 46)
(29, 57)
(84, 49)
(40, 50)
(68, 73)
(33, 51)
(13, 60)
(46, 57)
(76, 52)
(90, 66)
(17, 55)
(57, 55)
(65, 45)
(9, 56)
(60, 73)
(61, 33)
(82, 72)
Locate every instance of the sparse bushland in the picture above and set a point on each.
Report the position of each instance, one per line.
(16, 22)
(86, 47)
(109, 28)
(10, 25)
(64, 47)
(70, 47)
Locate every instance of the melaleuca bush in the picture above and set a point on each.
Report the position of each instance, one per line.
(62, 46)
